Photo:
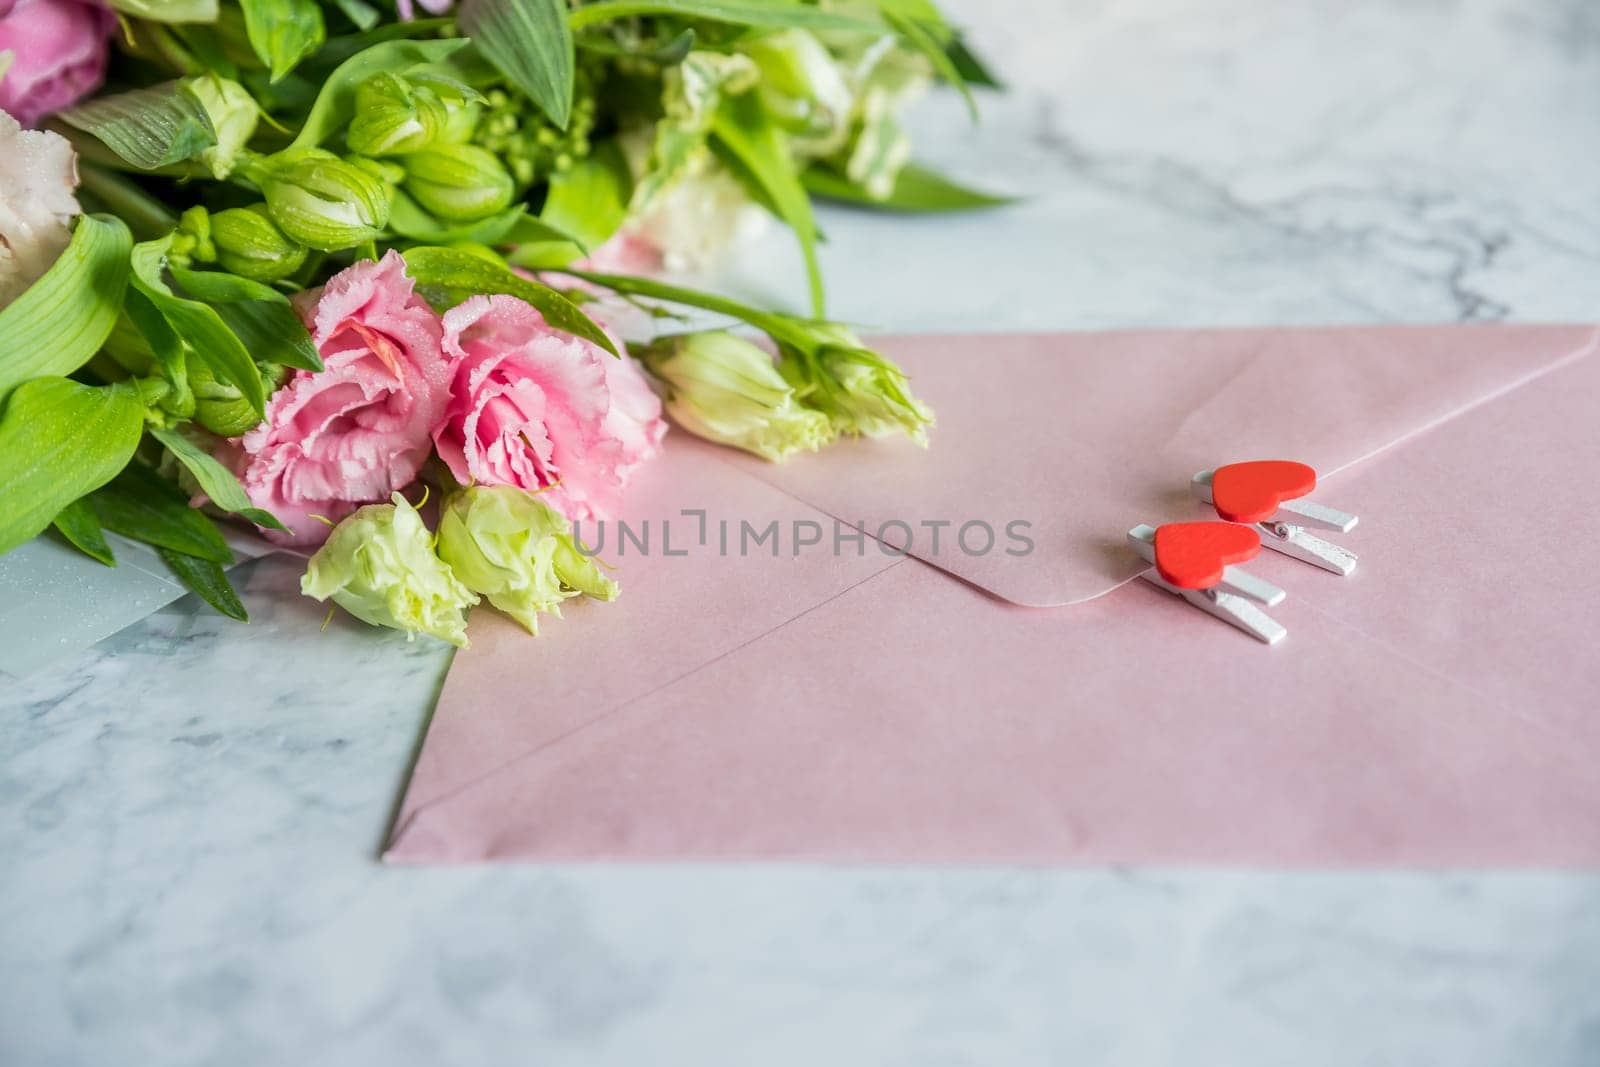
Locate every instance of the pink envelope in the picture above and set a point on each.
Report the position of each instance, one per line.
(1441, 706)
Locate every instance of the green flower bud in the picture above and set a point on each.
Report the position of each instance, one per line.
(192, 238)
(459, 182)
(398, 114)
(219, 406)
(859, 390)
(233, 113)
(249, 244)
(510, 546)
(392, 119)
(379, 566)
(725, 389)
(320, 200)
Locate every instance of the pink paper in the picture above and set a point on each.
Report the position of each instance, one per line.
(1439, 707)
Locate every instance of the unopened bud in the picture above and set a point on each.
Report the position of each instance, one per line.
(320, 200)
(459, 182)
(233, 113)
(249, 244)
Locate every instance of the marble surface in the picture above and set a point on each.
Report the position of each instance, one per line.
(189, 814)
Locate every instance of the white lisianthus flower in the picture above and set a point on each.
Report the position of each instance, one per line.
(38, 177)
(695, 220)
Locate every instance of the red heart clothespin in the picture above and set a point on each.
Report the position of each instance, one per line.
(1268, 495)
(1198, 561)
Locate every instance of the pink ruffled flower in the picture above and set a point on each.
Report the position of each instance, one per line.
(58, 54)
(540, 409)
(363, 427)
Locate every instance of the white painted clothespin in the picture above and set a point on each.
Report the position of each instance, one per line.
(1268, 496)
(1196, 560)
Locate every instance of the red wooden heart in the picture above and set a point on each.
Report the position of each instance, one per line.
(1251, 492)
(1191, 555)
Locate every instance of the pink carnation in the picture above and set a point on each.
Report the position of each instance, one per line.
(58, 54)
(540, 409)
(362, 427)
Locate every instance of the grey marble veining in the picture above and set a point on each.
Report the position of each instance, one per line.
(189, 813)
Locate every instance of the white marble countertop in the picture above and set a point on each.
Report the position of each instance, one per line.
(190, 813)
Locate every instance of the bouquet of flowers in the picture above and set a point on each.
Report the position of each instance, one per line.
(292, 260)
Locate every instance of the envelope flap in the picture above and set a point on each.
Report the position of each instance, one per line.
(1049, 447)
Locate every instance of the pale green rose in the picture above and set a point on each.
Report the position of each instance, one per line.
(233, 113)
(508, 545)
(379, 565)
(859, 391)
(727, 390)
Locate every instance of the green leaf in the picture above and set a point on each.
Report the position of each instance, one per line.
(140, 504)
(76, 522)
(169, 10)
(215, 480)
(149, 128)
(932, 39)
(970, 66)
(198, 324)
(777, 13)
(589, 200)
(59, 440)
(283, 32)
(917, 189)
(258, 315)
(336, 103)
(63, 318)
(780, 327)
(446, 276)
(763, 158)
(363, 14)
(530, 42)
(207, 580)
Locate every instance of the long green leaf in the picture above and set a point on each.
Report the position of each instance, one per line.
(149, 128)
(916, 189)
(217, 481)
(743, 128)
(207, 580)
(140, 504)
(450, 275)
(530, 41)
(59, 440)
(779, 13)
(259, 315)
(933, 40)
(77, 523)
(336, 102)
(777, 326)
(63, 318)
(199, 324)
(283, 32)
